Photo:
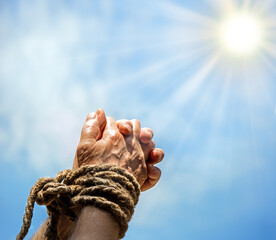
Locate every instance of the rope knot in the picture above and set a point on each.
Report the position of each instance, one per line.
(107, 187)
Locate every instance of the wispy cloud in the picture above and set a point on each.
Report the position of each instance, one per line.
(154, 61)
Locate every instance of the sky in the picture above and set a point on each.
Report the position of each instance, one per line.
(212, 111)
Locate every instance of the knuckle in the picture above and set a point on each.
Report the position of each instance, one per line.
(120, 124)
(135, 121)
(110, 119)
(158, 173)
(90, 115)
(89, 127)
(147, 147)
(114, 135)
(152, 144)
(90, 124)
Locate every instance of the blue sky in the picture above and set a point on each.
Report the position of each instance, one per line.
(213, 113)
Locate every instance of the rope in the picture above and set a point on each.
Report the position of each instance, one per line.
(107, 187)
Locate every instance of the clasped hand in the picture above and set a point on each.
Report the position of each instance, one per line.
(123, 143)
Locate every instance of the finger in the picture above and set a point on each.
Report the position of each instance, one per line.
(146, 134)
(90, 130)
(154, 174)
(111, 129)
(136, 127)
(147, 148)
(125, 126)
(90, 116)
(156, 156)
(101, 118)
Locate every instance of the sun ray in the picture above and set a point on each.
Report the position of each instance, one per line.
(262, 7)
(264, 59)
(157, 67)
(224, 96)
(154, 72)
(223, 6)
(184, 40)
(253, 118)
(217, 114)
(190, 57)
(184, 15)
(205, 98)
(269, 48)
(189, 87)
(173, 105)
(270, 25)
(126, 50)
(246, 4)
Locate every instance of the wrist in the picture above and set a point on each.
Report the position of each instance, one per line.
(105, 226)
(66, 225)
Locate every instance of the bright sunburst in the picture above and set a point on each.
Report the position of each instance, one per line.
(240, 33)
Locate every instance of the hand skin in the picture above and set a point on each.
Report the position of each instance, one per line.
(111, 147)
(155, 156)
(102, 142)
(96, 125)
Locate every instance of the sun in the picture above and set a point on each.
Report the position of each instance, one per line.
(240, 34)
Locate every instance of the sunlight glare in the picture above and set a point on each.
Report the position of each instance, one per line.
(240, 33)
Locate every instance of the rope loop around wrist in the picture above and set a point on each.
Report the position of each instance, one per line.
(107, 187)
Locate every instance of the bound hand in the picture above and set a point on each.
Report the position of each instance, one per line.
(102, 143)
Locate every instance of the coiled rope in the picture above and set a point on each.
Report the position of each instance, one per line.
(107, 187)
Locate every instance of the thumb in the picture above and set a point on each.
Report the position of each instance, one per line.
(93, 126)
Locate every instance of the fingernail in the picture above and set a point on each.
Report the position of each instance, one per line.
(128, 127)
(150, 133)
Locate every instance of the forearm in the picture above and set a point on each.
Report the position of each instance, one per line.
(96, 224)
(112, 191)
(64, 229)
(39, 234)
(92, 223)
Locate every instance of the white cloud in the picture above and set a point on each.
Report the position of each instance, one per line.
(41, 101)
